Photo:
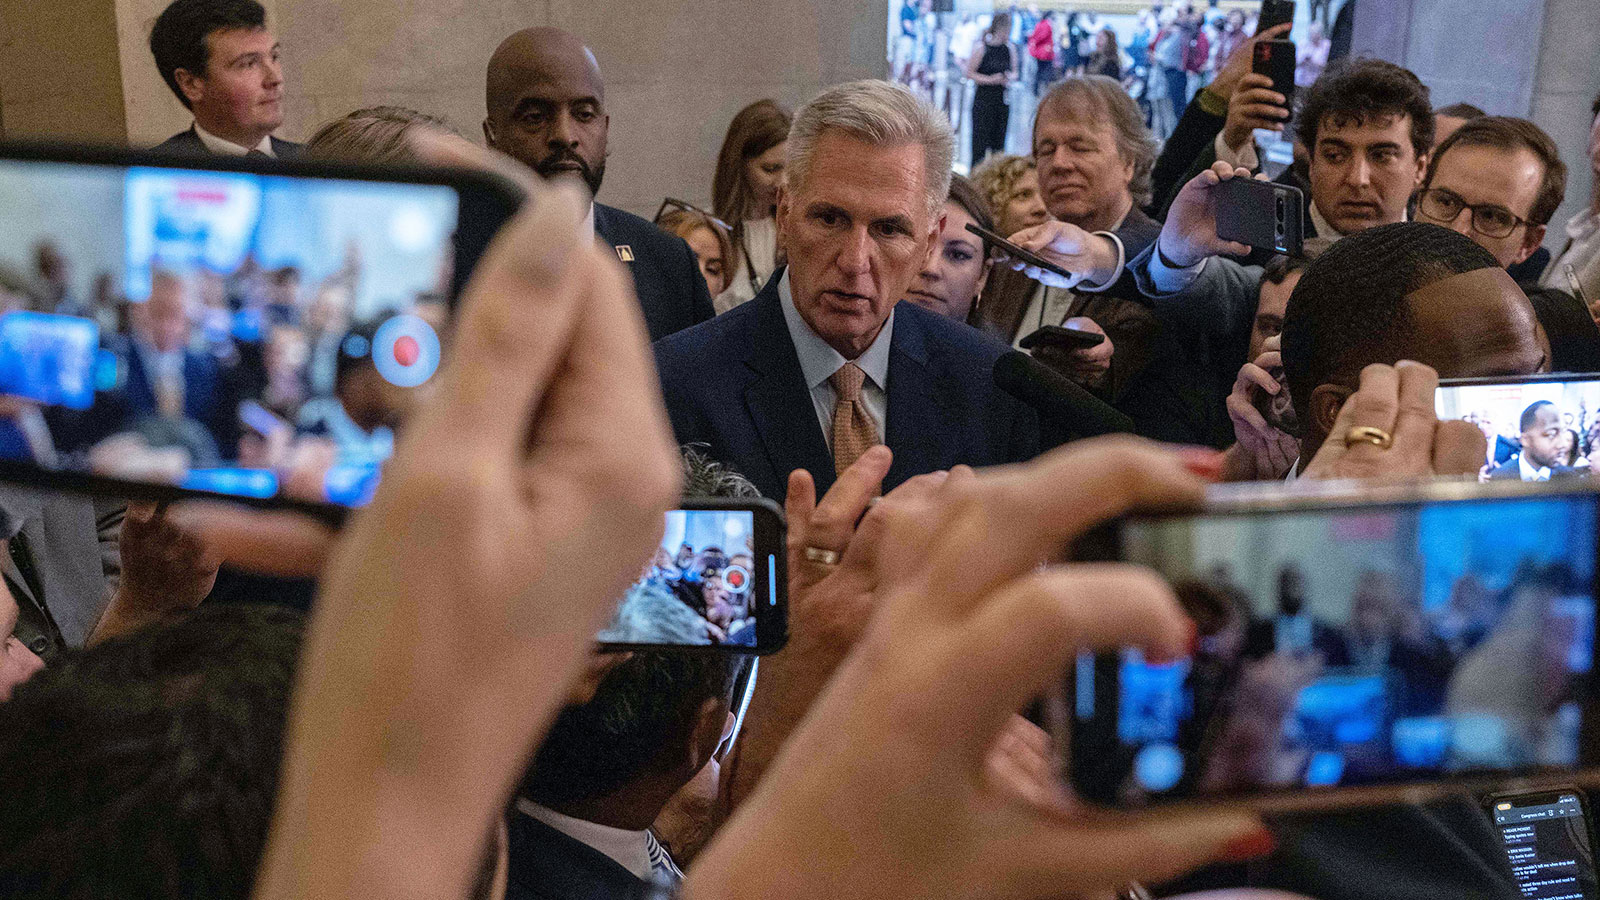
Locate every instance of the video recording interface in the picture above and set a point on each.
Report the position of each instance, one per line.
(1548, 843)
(250, 334)
(1535, 430)
(705, 586)
(1353, 646)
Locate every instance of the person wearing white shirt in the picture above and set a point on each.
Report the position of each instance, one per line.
(222, 62)
(1541, 456)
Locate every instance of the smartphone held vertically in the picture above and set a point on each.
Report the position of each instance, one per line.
(1549, 842)
(1262, 214)
(1275, 59)
(717, 581)
(1274, 13)
(1359, 645)
(249, 328)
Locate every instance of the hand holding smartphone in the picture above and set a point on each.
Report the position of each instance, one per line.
(1262, 214)
(1020, 253)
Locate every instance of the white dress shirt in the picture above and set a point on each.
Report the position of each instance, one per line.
(628, 849)
(818, 362)
(223, 147)
(1530, 472)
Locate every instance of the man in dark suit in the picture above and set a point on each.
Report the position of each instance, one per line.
(166, 378)
(823, 363)
(1542, 449)
(546, 104)
(582, 824)
(1094, 156)
(221, 61)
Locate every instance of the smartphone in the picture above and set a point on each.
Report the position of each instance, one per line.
(1356, 645)
(1275, 59)
(1062, 337)
(1535, 426)
(179, 311)
(1273, 14)
(1549, 842)
(1278, 409)
(717, 581)
(1016, 252)
(1262, 214)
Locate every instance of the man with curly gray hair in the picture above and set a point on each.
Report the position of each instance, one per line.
(823, 364)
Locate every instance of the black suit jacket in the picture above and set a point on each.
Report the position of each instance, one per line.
(188, 142)
(547, 865)
(735, 385)
(666, 275)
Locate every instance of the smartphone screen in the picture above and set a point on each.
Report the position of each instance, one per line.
(256, 335)
(1548, 841)
(717, 580)
(1350, 646)
(1536, 429)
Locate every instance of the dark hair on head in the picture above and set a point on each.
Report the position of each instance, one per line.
(1280, 267)
(966, 195)
(373, 134)
(639, 723)
(1530, 415)
(178, 38)
(1349, 309)
(1507, 133)
(754, 130)
(1356, 90)
(1460, 111)
(146, 767)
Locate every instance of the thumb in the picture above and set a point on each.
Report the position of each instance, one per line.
(1111, 850)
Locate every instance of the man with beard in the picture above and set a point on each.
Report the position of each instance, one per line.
(546, 105)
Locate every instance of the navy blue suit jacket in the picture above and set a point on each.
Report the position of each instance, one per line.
(735, 385)
(665, 273)
(547, 865)
(188, 141)
(202, 388)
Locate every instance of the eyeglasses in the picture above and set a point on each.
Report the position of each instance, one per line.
(1488, 219)
(674, 203)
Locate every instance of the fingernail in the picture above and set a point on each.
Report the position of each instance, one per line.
(1248, 846)
(1202, 462)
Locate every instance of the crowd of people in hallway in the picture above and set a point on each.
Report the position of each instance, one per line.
(828, 335)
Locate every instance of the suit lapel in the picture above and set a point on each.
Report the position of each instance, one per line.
(778, 400)
(918, 420)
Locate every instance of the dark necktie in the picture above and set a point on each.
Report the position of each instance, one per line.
(258, 154)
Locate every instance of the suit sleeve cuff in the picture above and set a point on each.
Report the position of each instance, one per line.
(1122, 262)
(1244, 158)
(1168, 279)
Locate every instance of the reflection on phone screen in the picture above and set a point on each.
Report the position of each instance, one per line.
(1357, 646)
(248, 334)
(1534, 430)
(705, 586)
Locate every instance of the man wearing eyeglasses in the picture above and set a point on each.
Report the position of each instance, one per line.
(1497, 180)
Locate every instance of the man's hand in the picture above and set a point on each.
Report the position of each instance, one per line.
(1089, 257)
(1190, 233)
(1088, 366)
(889, 779)
(460, 604)
(166, 568)
(1398, 399)
(1254, 105)
(1240, 62)
(1263, 453)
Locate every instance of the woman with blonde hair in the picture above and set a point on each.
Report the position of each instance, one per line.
(744, 194)
(708, 238)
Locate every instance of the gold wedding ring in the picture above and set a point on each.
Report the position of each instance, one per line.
(1366, 434)
(821, 556)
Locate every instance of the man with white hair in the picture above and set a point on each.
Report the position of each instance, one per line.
(823, 364)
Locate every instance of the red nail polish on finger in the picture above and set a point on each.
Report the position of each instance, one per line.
(1248, 846)
(1203, 462)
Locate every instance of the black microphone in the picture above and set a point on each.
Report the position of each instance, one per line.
(1063, 406)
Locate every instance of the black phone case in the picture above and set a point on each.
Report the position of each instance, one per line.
(1263, 214)
(1056, 335)
(1016, 252)
(1275, 59)
(1274, 13)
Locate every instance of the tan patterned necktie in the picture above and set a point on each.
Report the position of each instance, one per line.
(853, 431)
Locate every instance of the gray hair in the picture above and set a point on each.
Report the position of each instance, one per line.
(882, 114)
(1088, 98)
(705, 477)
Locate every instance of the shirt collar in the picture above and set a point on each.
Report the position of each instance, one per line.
(223, 147)
(628, 849)
(1325, 229)
(1529, 473)
(818, 361)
